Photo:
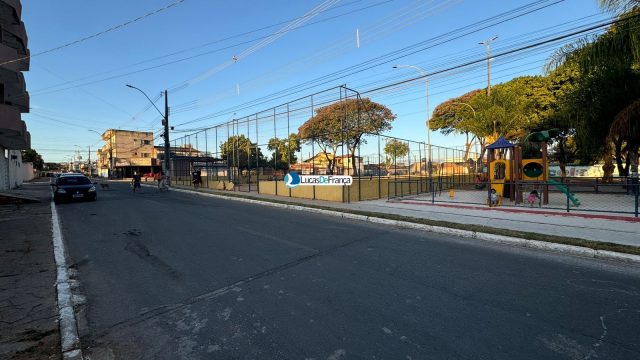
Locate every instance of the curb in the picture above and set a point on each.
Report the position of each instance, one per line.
(69, 340)
(499, 239)
(515, 210)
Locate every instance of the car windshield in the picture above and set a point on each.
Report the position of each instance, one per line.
(73, 180)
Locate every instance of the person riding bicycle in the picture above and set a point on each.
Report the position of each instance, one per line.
(196, 178)
(135, 181)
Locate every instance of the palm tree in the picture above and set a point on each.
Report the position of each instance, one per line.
(619, 47)
(613, 53)
(619, 6)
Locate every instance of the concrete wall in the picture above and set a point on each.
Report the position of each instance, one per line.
(27, 171)
(12, 172)
(370, 188)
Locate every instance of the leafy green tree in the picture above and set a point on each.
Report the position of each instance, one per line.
(561, 83)
(610, 64)
(32, 156)
(51, 166)
(456, 115)
(597, 101)
(395, 149)
(345, 123)
(241, 152)
(284, 150)
(619, 6)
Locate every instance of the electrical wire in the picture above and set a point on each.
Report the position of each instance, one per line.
(397, 54)
(496, 56)
(113, 28)
(56, 88)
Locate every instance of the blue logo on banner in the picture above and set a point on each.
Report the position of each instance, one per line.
(292, 179)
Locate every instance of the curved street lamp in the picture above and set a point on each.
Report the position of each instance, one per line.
(165, 123)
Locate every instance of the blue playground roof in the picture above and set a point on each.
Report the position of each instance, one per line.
(501, 143)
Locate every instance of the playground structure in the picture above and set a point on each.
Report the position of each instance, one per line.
(513, 177)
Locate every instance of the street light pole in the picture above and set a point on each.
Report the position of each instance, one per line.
(165, 123)
(487, 44)
(470, 107)
(422, 72)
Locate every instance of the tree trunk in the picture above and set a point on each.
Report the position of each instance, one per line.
(467, 150)
(618, 155)
(562, 158)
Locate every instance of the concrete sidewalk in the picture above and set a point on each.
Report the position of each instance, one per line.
(28, 308)
(613, 229)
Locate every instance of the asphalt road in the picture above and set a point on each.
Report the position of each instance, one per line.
(178, 276)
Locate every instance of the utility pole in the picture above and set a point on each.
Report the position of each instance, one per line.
(165, 122)
(113, 166)
(89, 157)
(487, 44)
(167, 146)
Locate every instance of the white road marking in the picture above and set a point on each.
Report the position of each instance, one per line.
(69, 340)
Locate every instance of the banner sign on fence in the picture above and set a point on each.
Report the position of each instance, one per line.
(292, 180)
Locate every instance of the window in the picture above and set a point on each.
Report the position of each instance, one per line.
(146, 142)
(146, 155)
(499, 171)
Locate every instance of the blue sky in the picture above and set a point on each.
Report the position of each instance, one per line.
(82, 87)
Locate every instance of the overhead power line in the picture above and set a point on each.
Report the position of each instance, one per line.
(57, 87)
(113, 28)
(255, 47)
(502, 54)
(392, 56)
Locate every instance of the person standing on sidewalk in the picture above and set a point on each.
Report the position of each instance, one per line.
(162, 181)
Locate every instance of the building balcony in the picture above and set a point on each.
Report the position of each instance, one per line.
(13, 5)
(13, 36)
(13, 131)
(14, 89)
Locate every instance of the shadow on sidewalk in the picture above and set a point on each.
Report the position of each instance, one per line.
(28, 310)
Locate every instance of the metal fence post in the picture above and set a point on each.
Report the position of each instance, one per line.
(257, 156)
(637, 190)
(380, 173)
(433, 193)
(207, 155)
(275, 156)
(568, 196)
(249, 152)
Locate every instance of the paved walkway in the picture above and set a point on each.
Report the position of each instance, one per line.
(591, 226)
(28, 310)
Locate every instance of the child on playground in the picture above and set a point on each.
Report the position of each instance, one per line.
(533, 197)
(494, 197)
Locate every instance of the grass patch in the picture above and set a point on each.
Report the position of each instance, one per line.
(595, 245)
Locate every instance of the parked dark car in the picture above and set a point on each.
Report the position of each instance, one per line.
(73, 187)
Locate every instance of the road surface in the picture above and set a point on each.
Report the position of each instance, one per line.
(179, 276)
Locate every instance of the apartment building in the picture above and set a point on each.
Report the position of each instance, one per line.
(14, 98)
(125, 152)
